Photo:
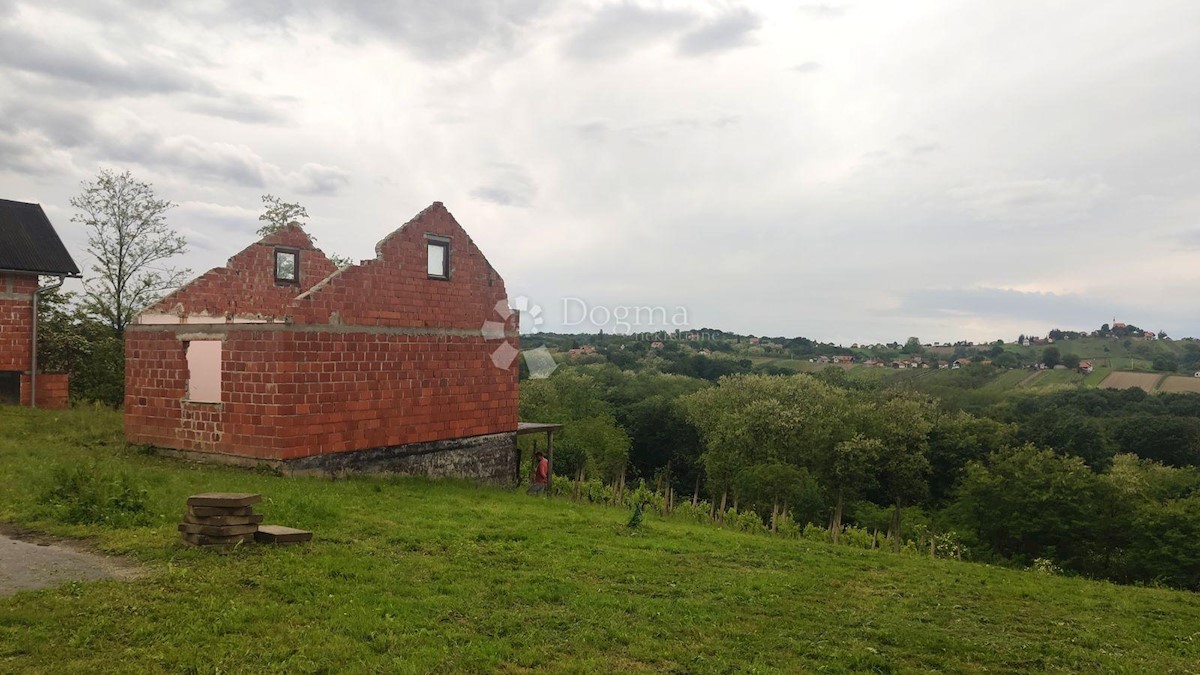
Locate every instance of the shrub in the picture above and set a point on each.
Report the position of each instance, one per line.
(745, 521)
(95, 495)
(698, 513)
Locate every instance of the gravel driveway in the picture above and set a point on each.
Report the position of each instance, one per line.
(26, 565)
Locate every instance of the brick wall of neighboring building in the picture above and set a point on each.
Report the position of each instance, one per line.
(246, 286)
(16, 320)
(53, 390)
(376, 356)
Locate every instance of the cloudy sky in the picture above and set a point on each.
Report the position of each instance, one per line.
(848, 172)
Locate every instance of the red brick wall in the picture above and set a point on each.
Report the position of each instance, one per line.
(403, 362)
(246, 286)
(394, 289)
(53, 390)
(16, 320)
(288, 394)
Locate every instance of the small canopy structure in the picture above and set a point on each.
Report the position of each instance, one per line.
(524, 428)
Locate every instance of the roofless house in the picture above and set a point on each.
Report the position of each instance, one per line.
(406, 362)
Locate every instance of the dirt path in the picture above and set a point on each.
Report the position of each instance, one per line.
(26, 565)
(1032, 376)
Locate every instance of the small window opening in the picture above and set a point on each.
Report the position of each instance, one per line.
(204, 371)
(439, 258)
(287, 266)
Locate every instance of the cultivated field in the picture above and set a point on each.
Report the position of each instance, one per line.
(1180, 383)
(1125, 380)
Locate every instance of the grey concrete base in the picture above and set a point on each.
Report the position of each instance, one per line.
(488, 459)
(492, 458)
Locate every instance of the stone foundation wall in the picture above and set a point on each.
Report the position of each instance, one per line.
(491, 459)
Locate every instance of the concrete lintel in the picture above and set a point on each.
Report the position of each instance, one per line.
(208, 331)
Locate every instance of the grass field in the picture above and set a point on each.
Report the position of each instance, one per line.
(406, 575)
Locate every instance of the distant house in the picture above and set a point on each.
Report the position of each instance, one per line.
(754, 340)
(822, 359)
(1086, 367)
(873, 363)
(959, 363)
(656, 345)
(943, 364)
(843, 358)
(1117, 325)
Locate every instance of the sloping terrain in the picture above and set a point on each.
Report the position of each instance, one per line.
(408, 575)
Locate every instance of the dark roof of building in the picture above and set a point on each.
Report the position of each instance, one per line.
(28, 242)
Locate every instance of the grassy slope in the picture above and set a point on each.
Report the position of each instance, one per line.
(409, 575)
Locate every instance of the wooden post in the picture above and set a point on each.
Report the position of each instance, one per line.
(549, 460)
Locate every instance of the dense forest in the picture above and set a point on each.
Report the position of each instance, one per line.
(1096, 482)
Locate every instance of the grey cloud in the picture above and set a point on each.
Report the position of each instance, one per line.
(654, 131)
(1067, 310)
(243, 108)
(508, 185)
(318, 179)
(432, 30)
(89, 69)
(64, 126)
(619, 28)
(731, 30)
(30, 154)
(227, 162)
(807, 67)
(1046, 201)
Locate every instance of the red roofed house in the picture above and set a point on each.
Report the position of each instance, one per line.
(405, 363)
(29, 249)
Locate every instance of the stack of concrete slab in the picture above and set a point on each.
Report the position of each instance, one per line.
(220, 519)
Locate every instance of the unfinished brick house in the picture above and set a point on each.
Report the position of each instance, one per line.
(29, 249)
(403, 363)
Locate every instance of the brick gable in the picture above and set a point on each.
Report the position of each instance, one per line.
(245, 286)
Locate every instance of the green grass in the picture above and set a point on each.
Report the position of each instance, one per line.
(1056, 378)
(407, 575)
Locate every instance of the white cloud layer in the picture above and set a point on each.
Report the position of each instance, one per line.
(849, 172)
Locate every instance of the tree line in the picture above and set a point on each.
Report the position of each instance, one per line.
(1095, 482)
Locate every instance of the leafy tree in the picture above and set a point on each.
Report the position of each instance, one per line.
(1165, 362)
(1174, 441)
(903, 426)
(912, 346)
(279, 213)
(1166, 543)
(72, 342)
(1051, 357)
(1028, 502)
(1006, 360)
(957, 439)
(129, 237)
(854, 469)
(1071, 361)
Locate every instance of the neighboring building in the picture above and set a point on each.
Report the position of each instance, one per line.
(29, 249)
(404, 363)
(656, 345)
(1086, 367)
